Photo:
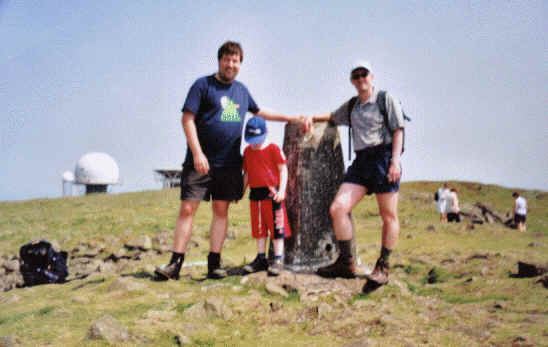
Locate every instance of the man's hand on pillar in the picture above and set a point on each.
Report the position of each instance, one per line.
(306, 122)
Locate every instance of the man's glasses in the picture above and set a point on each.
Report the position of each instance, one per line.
(356, 75)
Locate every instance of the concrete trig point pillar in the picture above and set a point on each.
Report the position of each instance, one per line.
(316, 171)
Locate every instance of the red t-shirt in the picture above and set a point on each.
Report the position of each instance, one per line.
(261, 165)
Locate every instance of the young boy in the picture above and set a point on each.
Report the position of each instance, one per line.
(265, 171)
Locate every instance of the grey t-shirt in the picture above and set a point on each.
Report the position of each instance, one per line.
(368, 128)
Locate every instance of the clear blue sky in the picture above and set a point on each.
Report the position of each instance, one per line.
(111, 76)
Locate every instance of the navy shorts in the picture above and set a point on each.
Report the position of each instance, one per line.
(453, 217)
(520, 218)
(370, 169)
(218, 184)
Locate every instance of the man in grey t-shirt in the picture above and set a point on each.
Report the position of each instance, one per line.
(376, 169)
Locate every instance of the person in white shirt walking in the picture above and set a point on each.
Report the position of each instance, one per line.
(443, 195)
(453, 209)
(520, 211)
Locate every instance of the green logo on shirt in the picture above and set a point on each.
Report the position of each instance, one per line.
(230, 110)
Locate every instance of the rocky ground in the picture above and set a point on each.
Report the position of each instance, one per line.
(335, 310)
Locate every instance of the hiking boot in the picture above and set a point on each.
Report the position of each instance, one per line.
(340, 268)
(368, 287)
(276, 268)
(380, 273)
(255, 266)
(217, 273)
(167, 272)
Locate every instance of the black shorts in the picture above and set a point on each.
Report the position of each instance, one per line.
(370, 169)
(453, 217)
(218, 184)
(520, 218)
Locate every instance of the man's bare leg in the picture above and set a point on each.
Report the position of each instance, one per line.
(388, 209)
(182, 234)
(217, 235)
(183, 225)
(347, 197)
(219, 225)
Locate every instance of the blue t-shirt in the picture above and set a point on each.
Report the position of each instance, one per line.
(220, 112)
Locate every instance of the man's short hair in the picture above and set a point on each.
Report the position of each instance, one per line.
(515, 194)
(230, 48)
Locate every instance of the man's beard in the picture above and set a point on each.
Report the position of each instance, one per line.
(223, 78)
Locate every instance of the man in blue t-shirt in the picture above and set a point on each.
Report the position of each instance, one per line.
(213, 116)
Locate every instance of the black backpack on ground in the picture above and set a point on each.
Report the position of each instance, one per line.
(381, 102)
(41, 264)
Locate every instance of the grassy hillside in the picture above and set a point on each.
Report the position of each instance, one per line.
(450, 284)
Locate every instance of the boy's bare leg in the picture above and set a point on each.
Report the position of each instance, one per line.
(260, 263)
(261, 245)
(278, 264)
(278, 246)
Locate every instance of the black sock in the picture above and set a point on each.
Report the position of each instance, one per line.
(213, 261)
(345, 247)
(278, 257)
(261, 256)
(178, 258)
(385, 254)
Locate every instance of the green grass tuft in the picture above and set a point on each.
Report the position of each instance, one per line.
(210, 342)
(468, 300)
(437, 275)
(411, 270)
(44, 311)
(14, 318)
(180, 308)
(20, 316)
(293, 297)
(359, 297)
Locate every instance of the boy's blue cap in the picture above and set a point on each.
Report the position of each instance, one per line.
(255, 130)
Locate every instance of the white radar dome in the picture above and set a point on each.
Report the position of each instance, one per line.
(97, 168)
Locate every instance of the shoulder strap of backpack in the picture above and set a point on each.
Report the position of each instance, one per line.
(381, 102)
(351, 104)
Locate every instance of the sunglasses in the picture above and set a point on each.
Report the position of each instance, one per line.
(356, 75)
